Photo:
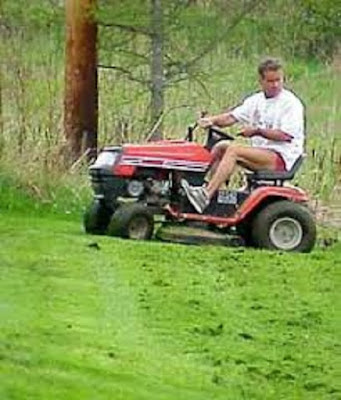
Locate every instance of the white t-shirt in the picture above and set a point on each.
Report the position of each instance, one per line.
(284, 112)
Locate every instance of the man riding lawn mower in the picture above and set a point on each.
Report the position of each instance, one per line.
(133, 183)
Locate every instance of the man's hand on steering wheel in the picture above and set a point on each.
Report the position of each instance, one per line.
(205, 122)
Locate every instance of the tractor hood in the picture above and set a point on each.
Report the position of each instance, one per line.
(166, 154)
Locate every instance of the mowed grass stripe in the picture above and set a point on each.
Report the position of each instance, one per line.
(135, 320)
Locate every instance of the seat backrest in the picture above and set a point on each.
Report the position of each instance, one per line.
(278, 175)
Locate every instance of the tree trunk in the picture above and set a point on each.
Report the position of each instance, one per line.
(1, 109)
(81, 92)
(157, 74)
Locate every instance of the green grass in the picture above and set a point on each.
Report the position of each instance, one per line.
(59, 193)
(85, 317)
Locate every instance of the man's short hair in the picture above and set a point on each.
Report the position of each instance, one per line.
(269, 64)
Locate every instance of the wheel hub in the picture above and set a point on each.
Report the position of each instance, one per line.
(138, 228)
(286, 233)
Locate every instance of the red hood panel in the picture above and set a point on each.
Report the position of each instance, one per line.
(170, 154)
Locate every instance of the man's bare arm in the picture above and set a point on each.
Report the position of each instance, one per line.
(274, 134)
(220, 120)
(271, 134)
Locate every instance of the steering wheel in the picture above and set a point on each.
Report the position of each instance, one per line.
(214, 136)
(222, 135)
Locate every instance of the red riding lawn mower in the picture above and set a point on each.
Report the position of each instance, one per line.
(134, 183)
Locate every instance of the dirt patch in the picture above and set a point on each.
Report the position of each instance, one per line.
(329, 214)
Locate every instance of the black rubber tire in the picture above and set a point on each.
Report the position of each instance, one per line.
(263, 222)
(244, 230)
(127, 218)
(96, 218)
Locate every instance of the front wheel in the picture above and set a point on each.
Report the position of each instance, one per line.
(286, 226)
(132, 221)
(96, 218)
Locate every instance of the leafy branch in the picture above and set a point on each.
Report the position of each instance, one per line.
(127, 28)
(184, 67)
(126, 72)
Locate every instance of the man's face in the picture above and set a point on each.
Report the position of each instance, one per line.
(272, 82)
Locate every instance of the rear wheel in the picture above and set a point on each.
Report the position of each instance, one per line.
(286, 226)
(132, 221)
(96, 218)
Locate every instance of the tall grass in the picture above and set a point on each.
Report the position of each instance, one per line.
(32, 92)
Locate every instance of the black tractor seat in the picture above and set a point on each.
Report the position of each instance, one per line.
(277, 176)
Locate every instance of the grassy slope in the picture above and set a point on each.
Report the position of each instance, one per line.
(134, 320)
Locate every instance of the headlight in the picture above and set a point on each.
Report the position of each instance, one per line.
(135, 188)
(105, 160)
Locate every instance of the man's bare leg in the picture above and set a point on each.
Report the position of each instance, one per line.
(250, 157)
(217, 152)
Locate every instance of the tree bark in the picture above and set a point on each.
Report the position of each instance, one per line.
(81, 91)
(1, 109)
(157, 73)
